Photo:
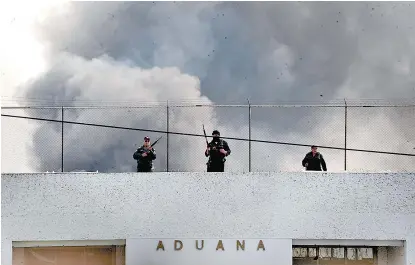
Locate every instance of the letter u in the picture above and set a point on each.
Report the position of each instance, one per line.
(197, 244)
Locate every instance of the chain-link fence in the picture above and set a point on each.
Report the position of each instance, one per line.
(262, 137)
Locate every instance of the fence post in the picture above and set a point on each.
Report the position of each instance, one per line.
(167, 145)
(249, 130)
(62, 139)
(345, 135)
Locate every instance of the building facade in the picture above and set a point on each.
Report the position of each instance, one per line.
(208, 218)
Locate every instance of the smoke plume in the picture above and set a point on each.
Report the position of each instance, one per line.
(227, 52)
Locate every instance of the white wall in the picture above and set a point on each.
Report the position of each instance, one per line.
(302, 205)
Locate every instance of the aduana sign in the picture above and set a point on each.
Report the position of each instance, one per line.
(205, 251)
(200, 244)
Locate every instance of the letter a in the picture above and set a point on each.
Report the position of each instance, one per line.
(197, 244)
(260, 245)
(160, 245)
(175, 245)
(238, 244)
(220, 245)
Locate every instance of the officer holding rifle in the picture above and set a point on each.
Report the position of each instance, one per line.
(217, 151)
(145, 156)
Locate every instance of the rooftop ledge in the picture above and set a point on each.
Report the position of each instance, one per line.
(221, 173)
(297, 205)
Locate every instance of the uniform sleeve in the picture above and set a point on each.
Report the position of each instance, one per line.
(206, 151)
(323, 163)
(136, 154)
(304, 161)
(153, 154)
(226, 148)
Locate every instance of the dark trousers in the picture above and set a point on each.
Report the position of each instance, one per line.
(144, 169)
(313, 169)
(216, 167)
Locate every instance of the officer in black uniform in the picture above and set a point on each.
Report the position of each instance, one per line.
(313, 160)
(145, 156)
(217, 150)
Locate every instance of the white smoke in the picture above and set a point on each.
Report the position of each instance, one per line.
(111, 149)
(223, 52)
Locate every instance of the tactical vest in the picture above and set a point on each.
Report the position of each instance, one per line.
(215, 155)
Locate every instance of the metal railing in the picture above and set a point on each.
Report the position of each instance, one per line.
(354, 137)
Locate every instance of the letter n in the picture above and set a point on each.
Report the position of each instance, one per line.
(175, 245)
(160, 245)
(239, 245)
(197, 244)
(261, 245)
(220, 245)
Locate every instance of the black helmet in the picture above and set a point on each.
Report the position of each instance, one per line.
(216, 132)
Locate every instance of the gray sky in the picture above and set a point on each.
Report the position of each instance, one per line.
(224, 52)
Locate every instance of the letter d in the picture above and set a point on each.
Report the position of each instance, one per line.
(175, 245)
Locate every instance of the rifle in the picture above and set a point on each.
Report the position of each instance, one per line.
(204, 132)
(151, 146)
(156, 141)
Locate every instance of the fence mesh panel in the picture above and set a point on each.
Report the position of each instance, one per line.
(31, 145)
(387, 129)
(321, 126)
(106, 149)
(36, 146)
(372, 162)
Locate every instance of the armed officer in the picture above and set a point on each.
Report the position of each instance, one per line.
(145, 156)
(314, 161)
(217, 150)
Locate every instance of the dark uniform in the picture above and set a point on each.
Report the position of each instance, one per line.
(144, 163)
(217, 160)
(314, 162)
